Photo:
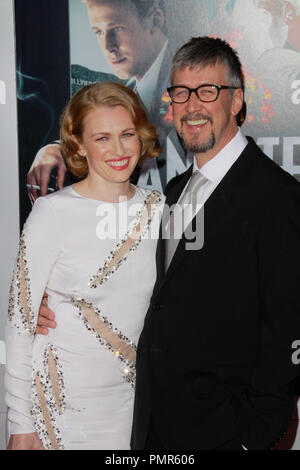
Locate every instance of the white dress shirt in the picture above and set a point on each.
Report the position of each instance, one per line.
(146, 88)
(216, 168)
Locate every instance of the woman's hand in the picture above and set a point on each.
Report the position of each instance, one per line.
(25, 442)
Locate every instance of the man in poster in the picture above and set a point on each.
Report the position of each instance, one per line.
(133, 37)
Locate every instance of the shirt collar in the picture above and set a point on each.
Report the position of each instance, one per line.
(147, 86)
(216, 168)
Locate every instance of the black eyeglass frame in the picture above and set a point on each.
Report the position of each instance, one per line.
(191, 90)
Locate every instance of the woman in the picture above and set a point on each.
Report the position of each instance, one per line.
(91, 246)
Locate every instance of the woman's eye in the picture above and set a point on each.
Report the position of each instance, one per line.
(117, 29)
(101, 139)
(128, 134)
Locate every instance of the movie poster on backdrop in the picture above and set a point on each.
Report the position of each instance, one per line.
(133, 41)
(43, 88)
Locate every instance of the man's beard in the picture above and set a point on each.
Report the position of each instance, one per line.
(199, 148)
(194, 147)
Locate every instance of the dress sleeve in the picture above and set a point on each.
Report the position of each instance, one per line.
(38, 251)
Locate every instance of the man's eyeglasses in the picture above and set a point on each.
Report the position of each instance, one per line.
(207, 92)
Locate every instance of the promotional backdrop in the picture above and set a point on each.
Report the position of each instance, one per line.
(63, 45)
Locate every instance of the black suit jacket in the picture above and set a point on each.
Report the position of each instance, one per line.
(214, 358)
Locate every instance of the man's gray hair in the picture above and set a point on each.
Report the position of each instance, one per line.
(205, 51)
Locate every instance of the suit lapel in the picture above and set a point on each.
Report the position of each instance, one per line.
(214, 208)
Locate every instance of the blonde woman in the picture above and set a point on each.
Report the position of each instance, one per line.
(91, 247)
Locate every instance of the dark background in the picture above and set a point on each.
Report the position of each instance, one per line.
(43, 79)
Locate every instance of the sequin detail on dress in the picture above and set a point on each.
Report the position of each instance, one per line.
(24, 316)
(130, 242)
(108, 336)
(49, 400)
(11, 298)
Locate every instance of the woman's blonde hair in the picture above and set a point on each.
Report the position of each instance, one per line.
(109, 94)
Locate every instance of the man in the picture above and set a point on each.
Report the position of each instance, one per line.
(214, 360)
(133, 37)
(214, 368)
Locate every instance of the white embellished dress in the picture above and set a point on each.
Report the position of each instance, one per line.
(96, 261)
